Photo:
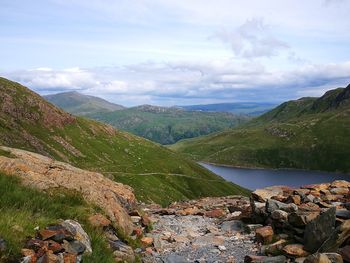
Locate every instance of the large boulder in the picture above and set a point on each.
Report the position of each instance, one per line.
(318, 230)
(272, 205)
(44, 173)
(336, 238)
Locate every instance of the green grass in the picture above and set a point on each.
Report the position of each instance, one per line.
(306, 134)
(24, 209)
(169, 125)
(94, 146)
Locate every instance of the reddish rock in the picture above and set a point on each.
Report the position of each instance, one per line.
(54, 246)
(294, 199)
(280, 198)
(34, 244)
(69, 258)
(310, 207)
(29, 253)
(295, 251)
(145, 220)
(149, 250)
(46, 234)
(316, 186)
(340, 183)
(99, 220)
(147, 241)
(264, 234)
(216, 213)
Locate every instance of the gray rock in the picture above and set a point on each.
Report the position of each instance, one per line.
(272, 205)
(3, 245)
(264, 259)
(343, 213)
(318, 230)
(280, 215)
(233, 226)
(173, 258)
(79, 234)
(336, 238)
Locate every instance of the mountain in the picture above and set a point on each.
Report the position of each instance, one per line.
(248, 108)
(157, 174)
(309, 133)
(79, 104)
(168, 125)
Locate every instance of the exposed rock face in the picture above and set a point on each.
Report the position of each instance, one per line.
(44, 173)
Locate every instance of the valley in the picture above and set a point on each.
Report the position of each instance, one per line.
(309, 133)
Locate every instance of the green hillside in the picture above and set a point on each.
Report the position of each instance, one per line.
(159, 124)
(157, 174)
(168, 125)
(80, 104)
(309, 133)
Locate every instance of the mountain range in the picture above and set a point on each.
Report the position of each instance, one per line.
(164, 125)
(308, 133)
(29, 122)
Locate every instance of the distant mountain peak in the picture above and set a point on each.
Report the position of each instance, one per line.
(81, 104)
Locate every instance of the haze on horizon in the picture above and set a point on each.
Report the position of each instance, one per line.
(177, 52)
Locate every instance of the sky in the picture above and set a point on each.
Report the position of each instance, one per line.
(181, 52)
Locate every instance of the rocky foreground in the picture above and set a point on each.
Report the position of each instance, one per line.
(277, 224)
(310, 224)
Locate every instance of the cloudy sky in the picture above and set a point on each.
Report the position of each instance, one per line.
(179, 52)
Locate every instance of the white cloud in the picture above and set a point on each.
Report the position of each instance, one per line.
(252, 39)
(187, 83)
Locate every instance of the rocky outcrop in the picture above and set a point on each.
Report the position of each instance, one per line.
(44, 173)
(65, 242)
(305, 222)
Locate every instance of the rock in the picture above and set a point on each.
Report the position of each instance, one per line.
(121, 251)
(46, 234)
(272, 205)
(340, 183)
(28, 252)
(233, 226)
(317, 258)
(343, 213)
(181, 239)
(279, 215)
(74, 247)
(300, 219)
(43, 173)
(276, 248)
(336, 238)
(3, 245)
(309, 198)
(345, 253)
(145, 220)
(70, 258)
(261, 195)
(34, 244)
(147, 241)
(264, 234)
(334, 257)
(318, 230)
(317, 187)
(309, 207)
(216, 213)
(54, 246)
(173, 258)
(99, 220)
(295, 251)
(264, 259)
(222, 248)
(340, 191)
(135, 219)
(78, 233)
(294, 199)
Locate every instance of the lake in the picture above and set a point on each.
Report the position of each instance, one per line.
(259, 178)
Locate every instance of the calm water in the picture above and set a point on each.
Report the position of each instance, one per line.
(259, 178)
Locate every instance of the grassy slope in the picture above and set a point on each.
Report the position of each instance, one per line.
(114, 153)
(170, 125)
(22, 209)
(306, 134)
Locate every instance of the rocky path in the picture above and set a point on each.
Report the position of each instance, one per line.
(199, 233)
